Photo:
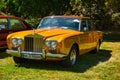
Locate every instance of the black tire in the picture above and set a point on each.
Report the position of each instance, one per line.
(18, 60)
(72, 57)
(2, 49)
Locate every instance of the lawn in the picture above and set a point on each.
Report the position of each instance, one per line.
(104, 65)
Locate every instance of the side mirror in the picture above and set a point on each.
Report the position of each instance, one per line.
(85, 28)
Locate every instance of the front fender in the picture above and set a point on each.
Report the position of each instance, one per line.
(69, 42)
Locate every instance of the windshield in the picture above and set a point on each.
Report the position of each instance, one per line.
(60, 22)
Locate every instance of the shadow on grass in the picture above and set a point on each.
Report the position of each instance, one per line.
(3, 54)
(84, 63)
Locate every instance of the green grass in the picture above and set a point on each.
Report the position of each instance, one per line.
(102, 66)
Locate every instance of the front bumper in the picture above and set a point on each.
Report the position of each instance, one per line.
(35, 55)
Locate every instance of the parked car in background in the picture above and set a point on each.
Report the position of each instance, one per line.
(10, 24)
(56, 38)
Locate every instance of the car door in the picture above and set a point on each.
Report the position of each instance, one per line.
(3, 32)
(7, 26)
(91, 35)
(85, 37)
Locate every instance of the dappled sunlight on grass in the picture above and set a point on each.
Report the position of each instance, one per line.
(5, 59)
(111, 45)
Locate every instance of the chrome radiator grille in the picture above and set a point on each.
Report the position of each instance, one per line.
(33, 44)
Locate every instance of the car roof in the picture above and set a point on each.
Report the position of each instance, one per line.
(71, 16)
(14, 17)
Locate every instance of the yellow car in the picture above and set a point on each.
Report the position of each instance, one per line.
(56, 38)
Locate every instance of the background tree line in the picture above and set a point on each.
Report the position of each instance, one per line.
(106, 13)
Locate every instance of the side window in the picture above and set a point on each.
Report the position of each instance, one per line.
(89, 25)
(84, 26)
(3, 24)
(15, 24)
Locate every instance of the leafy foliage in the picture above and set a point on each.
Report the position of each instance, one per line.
(2, 4)
(34, 22)
(116, 20)
(101, 10)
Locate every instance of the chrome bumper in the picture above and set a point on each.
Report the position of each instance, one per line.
(34, 55)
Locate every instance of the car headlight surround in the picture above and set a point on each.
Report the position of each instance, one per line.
(48, 43)
(51, 43)
(14, 41)
(20, 41)
(17, 41)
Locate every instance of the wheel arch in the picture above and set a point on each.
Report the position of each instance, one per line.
(77, 47)
(100, 41)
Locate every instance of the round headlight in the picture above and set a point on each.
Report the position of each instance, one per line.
(14, 41)
(48, 43)
(20, 41)
(53, 44)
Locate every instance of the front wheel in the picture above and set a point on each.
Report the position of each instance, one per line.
(72, 57)
(18, 60)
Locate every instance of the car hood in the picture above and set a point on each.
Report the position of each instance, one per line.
(48, 33)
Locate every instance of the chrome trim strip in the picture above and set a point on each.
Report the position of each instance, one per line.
(43, 55)
(49, 55)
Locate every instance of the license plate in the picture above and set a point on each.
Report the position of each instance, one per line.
(32, 56)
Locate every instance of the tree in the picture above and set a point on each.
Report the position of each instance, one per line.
(2, 5)
(103, 11)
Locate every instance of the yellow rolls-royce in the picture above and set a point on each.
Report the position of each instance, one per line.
(56, 38)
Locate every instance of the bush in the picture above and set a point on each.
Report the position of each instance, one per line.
(116, 20)
(33, 22)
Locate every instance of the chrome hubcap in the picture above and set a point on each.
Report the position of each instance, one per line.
(73, 57)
